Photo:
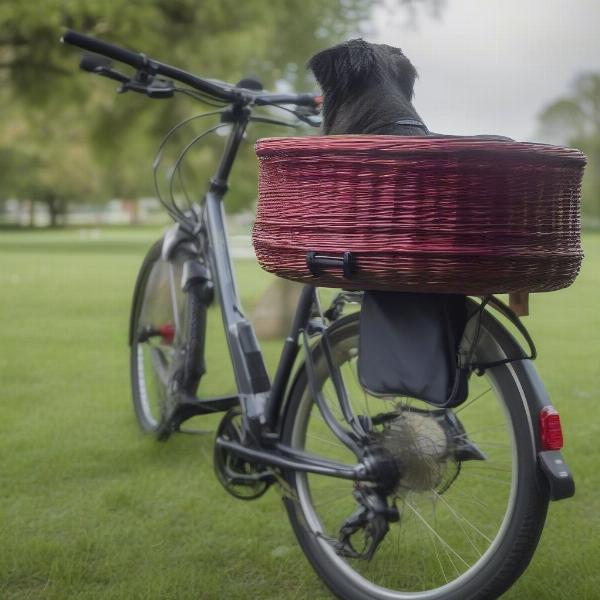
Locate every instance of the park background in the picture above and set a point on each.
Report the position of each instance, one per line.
(89, 508)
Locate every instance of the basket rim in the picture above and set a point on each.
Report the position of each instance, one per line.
(390, 145)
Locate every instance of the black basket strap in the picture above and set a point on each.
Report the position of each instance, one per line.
(317, 262)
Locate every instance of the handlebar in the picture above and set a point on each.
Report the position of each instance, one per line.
(220, 91)
(100, 47)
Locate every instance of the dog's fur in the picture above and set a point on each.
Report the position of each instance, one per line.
(366, 88)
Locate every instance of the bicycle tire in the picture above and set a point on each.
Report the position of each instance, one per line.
(509, 552)
(150, 310)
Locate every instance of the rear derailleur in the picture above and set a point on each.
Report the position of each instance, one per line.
(372, 516)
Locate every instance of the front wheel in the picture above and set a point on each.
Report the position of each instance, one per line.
(167, 340)
(469, 521)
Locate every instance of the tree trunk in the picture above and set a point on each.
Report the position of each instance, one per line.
(53, 210)
(31, 213)
(133, 210)
(63, 210)
(275, 310)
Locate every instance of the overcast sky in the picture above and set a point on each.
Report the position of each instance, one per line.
(490, 66)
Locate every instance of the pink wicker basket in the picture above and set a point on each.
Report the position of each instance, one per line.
(453, 215)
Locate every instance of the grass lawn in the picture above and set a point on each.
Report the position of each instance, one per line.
(91, 508)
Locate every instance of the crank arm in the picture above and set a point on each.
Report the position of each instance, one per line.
(236, 478)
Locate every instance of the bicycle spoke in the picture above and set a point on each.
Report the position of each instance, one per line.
(322, 440)
(490, 428)
(494, 479)
(436, 534)
(483, 444)
(354, 370)
(330, 501)
(470, 402)
(437, 556)
(482, 467)
(472, 500)
(160, 366)
(459, 516)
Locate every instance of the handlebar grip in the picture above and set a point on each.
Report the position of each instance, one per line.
(298, 99)
(99, 47)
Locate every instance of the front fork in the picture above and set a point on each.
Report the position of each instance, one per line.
(198, 292)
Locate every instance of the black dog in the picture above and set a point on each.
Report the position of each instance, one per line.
(367, 88)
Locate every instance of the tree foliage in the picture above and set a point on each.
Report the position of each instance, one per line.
(61, 110)
(575, 120)
(82, 141)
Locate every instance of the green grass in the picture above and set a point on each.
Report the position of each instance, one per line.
(90, 508)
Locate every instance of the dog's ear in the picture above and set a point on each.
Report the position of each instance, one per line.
(403, 71)
(342, 67)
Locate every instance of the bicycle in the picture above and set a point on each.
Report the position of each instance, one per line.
(388, 497)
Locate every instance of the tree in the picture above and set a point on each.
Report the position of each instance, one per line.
(575, 120)
(227, 39)
(46, 160)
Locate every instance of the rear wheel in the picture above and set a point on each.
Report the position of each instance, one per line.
(469, 521)
(166, 340)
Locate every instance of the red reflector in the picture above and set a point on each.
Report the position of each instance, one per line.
(167, 331)
(550, 430)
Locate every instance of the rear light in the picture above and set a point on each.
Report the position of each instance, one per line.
(551, 435)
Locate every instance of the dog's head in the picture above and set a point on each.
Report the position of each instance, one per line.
(366, 88)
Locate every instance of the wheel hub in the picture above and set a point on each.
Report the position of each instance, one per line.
(420, 446)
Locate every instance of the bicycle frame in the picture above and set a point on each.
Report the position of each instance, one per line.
(260, 401)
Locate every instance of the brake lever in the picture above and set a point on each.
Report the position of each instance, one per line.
(164, 90)
(98, 65)
(142, 83)
(312, 120)
(156, 88)
(112, 74)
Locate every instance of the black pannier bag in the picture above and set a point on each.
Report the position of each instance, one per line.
(409, 346)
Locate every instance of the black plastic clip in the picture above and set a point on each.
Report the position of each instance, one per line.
(317, 262)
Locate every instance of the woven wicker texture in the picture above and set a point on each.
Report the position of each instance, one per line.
(453, 215)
